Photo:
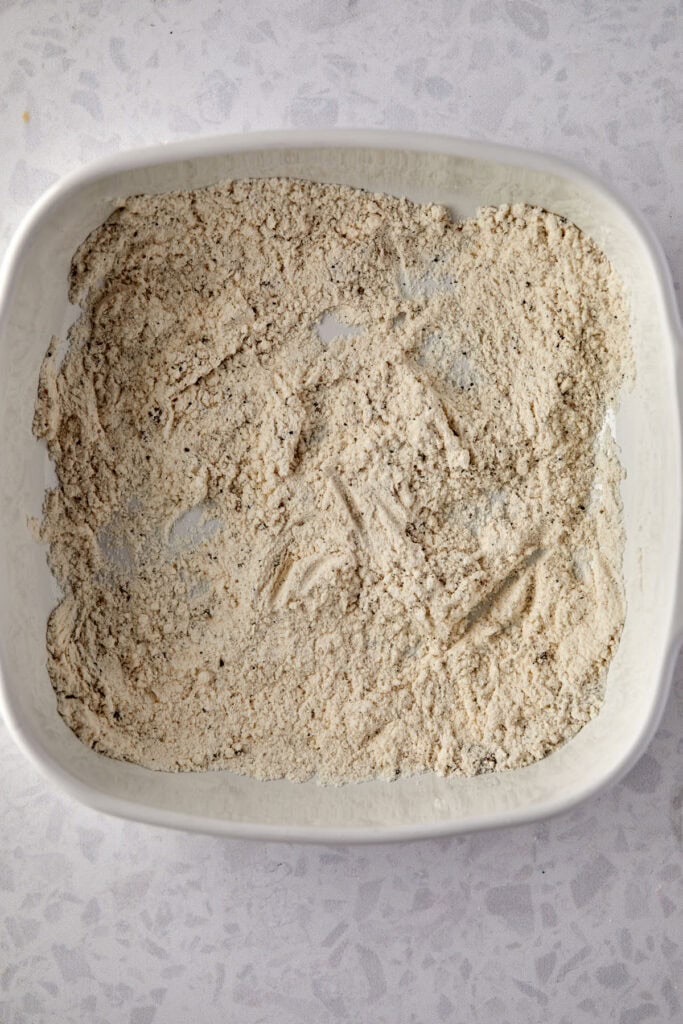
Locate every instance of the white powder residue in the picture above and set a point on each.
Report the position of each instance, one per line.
(334, 496)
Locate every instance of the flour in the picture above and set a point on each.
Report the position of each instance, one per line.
(380, 549)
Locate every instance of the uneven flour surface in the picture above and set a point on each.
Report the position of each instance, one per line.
(335, 493)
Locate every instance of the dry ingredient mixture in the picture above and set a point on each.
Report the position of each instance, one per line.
(335, 493)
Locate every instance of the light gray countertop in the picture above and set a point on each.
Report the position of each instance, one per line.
(577, 919)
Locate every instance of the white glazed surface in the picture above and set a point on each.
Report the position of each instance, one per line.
(464, 176)
(574, 919)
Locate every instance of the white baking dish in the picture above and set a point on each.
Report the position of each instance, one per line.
(463, 175)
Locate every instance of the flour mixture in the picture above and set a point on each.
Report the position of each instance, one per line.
(335, 493)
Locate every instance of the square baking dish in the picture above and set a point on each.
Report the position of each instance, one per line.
(463, 175)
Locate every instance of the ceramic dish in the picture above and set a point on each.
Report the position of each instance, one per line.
(463, 175)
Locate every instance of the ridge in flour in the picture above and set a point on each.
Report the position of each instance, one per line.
(334, 497)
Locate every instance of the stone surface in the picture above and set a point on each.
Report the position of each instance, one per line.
(574, 920)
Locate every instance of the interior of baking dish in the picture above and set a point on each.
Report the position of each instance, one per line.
(463, 176)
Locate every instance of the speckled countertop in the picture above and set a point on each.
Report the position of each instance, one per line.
(577, 919)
